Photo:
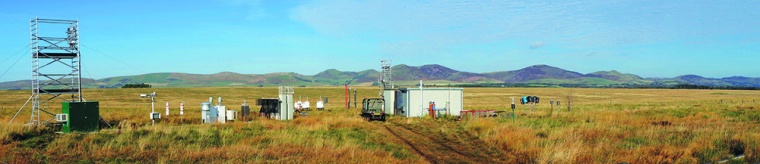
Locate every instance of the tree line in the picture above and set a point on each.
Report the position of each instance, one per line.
(629, 86)
(141, 85)
(692, 86)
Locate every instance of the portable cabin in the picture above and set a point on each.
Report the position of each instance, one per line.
(414, 102)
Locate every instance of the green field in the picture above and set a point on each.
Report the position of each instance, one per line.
(601, 126)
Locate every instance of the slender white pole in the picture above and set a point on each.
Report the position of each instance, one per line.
(448, 108)
(182, 110)
(79, 63)
(422, 101)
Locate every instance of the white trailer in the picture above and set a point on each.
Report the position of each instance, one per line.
(414, 102)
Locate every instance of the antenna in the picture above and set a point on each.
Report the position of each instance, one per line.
(153, 114)
(387, 79)
(348, 106)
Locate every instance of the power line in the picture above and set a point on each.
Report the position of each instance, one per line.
(97, 88)
(19, 50)
(109, 56)
(88, 72)
(14, 64)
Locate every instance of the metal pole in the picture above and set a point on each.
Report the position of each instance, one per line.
(422, 101)
(35, 82)
(287, 106)
(355, 99)
(513, 109)
(79, 62)
(448, 107)
(551, 107)
(19, 110)
(153, 110)
(531, 109)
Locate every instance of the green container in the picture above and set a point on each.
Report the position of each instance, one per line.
(83, 117)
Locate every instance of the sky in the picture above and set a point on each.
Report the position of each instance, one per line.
(650, 38)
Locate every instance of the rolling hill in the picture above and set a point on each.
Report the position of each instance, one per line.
(536, 72)
(403, 75)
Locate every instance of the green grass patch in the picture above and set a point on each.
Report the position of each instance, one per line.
(36, 139)
(678, 112)
(680, 138)
(634, 142)
(742, 115)
(362, 137)
(548, 123)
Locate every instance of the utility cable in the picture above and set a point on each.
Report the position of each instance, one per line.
(14, 64)
(88, 72)
(97, 88)
(9, 56)
(137, 68)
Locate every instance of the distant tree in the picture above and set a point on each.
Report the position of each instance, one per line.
(141, 85)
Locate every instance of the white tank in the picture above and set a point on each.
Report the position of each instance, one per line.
(205, 108)
(320, 105)
(231, 115)
(297, 105)
(305, 105)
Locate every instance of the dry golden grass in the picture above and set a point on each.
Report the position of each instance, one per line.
(636, 126)
(603, 126)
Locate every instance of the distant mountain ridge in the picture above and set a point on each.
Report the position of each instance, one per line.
(402, 74)
(535, 72)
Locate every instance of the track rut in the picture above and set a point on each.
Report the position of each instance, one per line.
(438, 148)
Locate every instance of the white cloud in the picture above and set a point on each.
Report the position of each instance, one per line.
(536, 45)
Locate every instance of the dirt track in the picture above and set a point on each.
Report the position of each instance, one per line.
(439, 148)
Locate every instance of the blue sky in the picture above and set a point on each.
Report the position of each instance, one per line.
(648, 38)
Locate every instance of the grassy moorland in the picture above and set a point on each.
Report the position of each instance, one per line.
(602, 126)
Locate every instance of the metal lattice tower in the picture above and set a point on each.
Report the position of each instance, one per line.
(55, 64)
(387, 79)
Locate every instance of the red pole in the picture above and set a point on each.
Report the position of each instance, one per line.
(432, 110)
(347, 96)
